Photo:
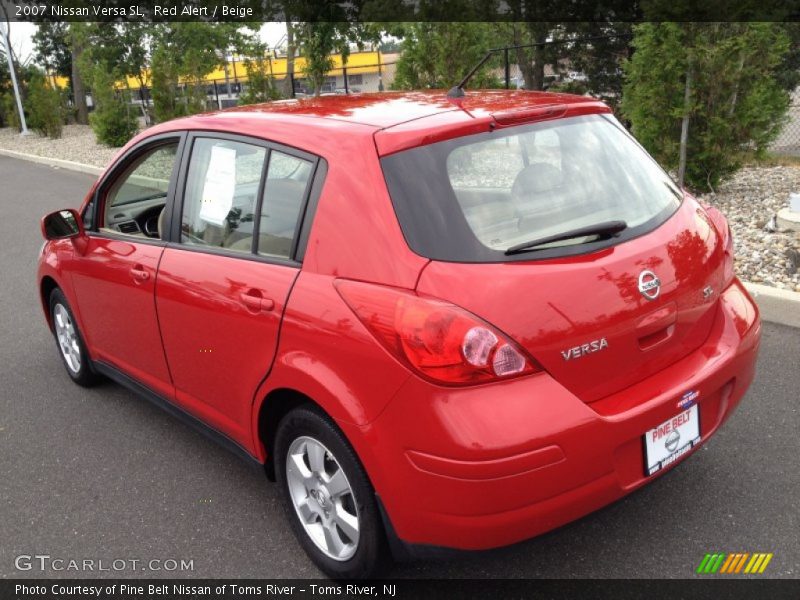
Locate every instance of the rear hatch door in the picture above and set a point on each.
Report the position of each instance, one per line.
(585, 318)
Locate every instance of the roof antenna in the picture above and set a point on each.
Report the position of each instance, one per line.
(458, 90)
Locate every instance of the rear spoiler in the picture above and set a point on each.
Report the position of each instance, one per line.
(470, 121)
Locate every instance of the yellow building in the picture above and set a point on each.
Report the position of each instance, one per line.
(365, 71)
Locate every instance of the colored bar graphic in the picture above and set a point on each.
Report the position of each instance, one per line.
(704, 563)
(728, 562)
(721, 562)
(757, 565)
(718, 564)
(741, 562)
(752, 562)
(764, 564)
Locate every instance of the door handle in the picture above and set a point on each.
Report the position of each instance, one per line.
(139, 274)
(255, 301)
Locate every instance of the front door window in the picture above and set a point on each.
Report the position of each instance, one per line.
(135, 202)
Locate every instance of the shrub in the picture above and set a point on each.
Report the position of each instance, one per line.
(167, 103)
(260, 85)
(45, 107)
(113, 121)
(721, 79)
(8, 111)
(169, 67)
(438, 55)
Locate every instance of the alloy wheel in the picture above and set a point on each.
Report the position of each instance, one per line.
(67, 338)
(323, 498)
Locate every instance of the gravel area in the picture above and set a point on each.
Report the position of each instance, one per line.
(77, 144)
(749, 200)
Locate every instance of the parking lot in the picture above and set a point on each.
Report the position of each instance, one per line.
(101, 474)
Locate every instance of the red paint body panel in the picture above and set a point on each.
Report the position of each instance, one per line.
(109, 291)
(219, 349)
(521, 455)
(355, 232)
(327, 354)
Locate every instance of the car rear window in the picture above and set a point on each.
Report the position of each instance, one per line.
(472, 198)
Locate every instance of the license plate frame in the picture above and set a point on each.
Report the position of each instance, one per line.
(656, 442)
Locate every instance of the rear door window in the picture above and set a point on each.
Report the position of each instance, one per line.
(248, 198)
(222, 187)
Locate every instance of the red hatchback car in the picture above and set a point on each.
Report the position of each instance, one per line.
(437, 322)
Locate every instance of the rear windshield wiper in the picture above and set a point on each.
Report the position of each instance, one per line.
(605, 229)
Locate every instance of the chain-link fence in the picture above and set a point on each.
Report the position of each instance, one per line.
(788, 142)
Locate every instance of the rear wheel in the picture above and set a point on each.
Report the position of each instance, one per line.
(69, 341)
(328, 497)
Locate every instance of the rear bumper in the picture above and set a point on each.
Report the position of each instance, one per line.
(477, 468)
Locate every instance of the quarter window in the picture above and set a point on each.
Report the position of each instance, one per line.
(284, 193)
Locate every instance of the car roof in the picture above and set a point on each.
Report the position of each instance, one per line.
(387, 109)
(404, 118)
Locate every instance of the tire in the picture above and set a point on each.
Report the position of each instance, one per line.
(69, 342)
(306, 439)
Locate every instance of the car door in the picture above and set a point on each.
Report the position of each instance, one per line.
(114, 279)
(225, 278)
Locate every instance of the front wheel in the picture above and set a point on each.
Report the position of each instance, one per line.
(328, 497)
(69, 341)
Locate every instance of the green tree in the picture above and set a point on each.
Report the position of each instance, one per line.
(439, 55)
(316, 40)
(319, 40)
(183, 54)
(121, 47)
(6, 99)
(390, 46)
(702, 96)
(598, 53)
(531, 61)
(168, 101)
(44, 107)
(8, 111)
(51, 48)
(78, 42)
(113, 121)
(261, 85)
(788, 71)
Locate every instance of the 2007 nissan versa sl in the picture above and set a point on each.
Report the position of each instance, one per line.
(437, 322)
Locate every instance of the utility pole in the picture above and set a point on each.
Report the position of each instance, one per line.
(4, 31)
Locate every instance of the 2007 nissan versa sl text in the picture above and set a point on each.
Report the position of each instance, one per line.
(438, 322)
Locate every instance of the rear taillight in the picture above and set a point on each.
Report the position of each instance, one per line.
(441, 341)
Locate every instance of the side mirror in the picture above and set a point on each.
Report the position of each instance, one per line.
(62, 224)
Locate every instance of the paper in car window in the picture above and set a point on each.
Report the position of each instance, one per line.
(219, 186)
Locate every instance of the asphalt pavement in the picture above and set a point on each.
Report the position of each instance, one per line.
(103, 475)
